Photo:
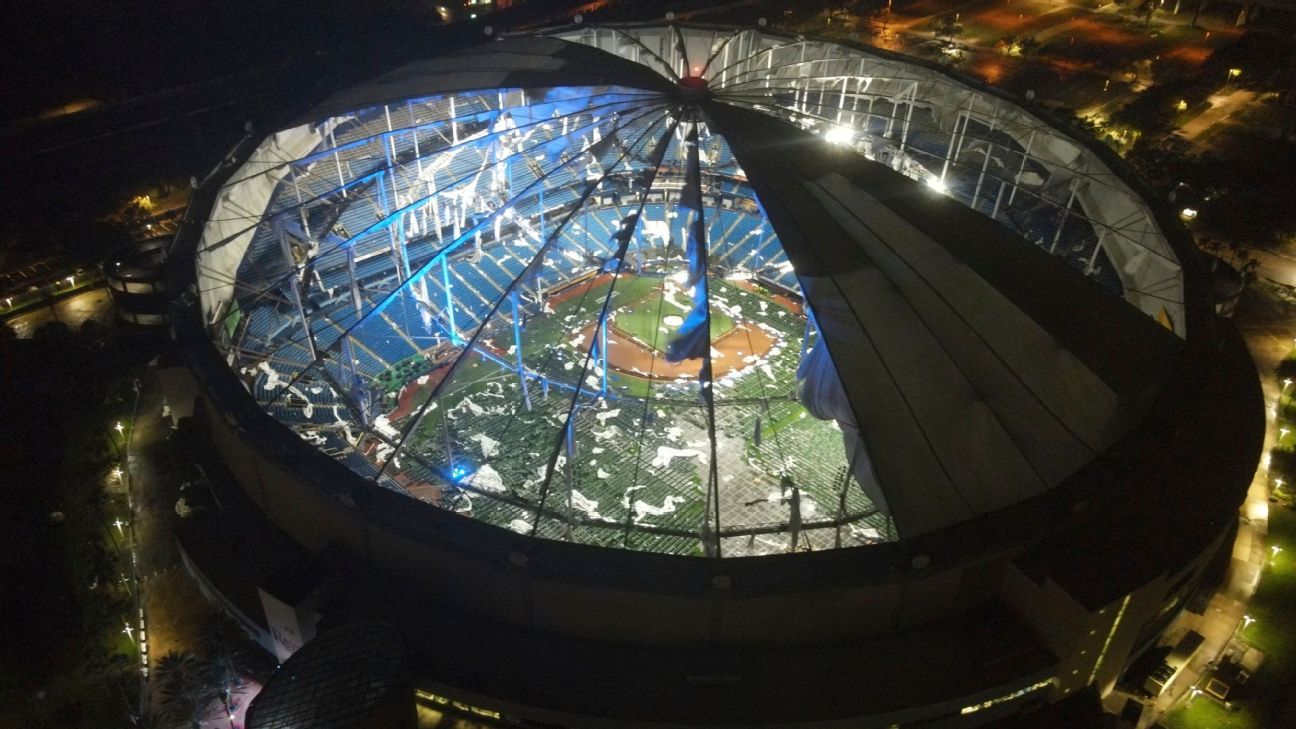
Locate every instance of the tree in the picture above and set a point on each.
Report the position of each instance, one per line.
(1145, 10)
(947, 27)
(228, 654)
(186, 686)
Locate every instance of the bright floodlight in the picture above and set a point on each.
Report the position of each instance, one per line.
(839, 135)
(1188, 213)
(937, 184)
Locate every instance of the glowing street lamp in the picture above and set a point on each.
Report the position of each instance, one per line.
(119, 524)
(1279, 482)
(1287, 382)
(117, 473)
(119, 428)
(1246, 621)
(1283, 432)
(1274, 550)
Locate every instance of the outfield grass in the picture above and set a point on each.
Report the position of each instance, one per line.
(609, 474)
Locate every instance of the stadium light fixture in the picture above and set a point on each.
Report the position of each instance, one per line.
(840, 136)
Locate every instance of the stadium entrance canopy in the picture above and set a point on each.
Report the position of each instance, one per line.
(692, 290)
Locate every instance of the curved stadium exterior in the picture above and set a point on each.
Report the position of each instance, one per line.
(787, 382)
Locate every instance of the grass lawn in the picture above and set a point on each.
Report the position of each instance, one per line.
(118, 643)
(1274, 629)
(1206, 713)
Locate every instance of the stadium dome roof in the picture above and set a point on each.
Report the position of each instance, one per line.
(693, 290)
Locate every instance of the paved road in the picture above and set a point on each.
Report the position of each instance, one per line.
(74, 311)
(1222, 107)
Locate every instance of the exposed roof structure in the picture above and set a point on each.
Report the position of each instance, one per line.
(692, 290)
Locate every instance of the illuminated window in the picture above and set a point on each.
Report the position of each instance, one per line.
(1006, 697)
(1107, 643)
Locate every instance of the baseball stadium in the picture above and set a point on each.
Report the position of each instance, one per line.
(718, 341)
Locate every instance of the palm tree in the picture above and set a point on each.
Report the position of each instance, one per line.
(149, 719)
(186, 686)
(947, 26)
(228, 656)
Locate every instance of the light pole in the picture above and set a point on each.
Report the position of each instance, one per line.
(1232, 74)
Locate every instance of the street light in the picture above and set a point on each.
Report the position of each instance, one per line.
(1246, 621)
(1232, 74)
(119, 428)
(117, 473)
(1273, 551)
(1279, 482)
(1282, 433)
(119, 524)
